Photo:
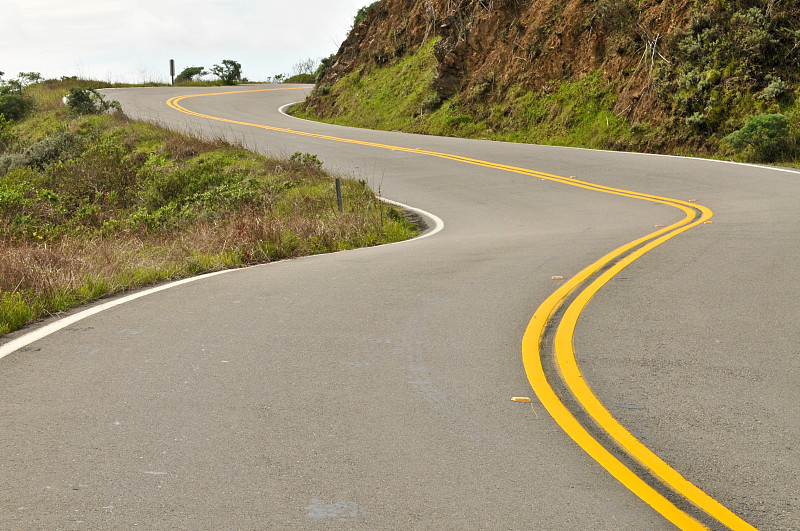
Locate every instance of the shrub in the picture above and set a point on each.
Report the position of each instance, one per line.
(306, 159)
(89, 101)
(323, 67)
(431, 102)
(774, 90)
(14, 106)
(189, 74)
(303, 79)
(7, 135)
(361, 16)
(51, 149)
(324, 89)
(766, 136)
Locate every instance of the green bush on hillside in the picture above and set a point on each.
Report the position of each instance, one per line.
(765, 135)
(14, 104)
(89, 101)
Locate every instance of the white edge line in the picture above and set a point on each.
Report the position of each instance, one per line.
(39, 333)
(437, 222)
(44, 331)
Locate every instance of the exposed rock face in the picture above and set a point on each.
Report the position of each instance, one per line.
(529, 42)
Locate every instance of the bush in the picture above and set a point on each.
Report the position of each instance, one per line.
(323, 89)
(189, 74)
(323, 67)
(361, 16)
(51, 149)
(776, 89)
(89, 101)
(306, 159)
(304, 79)
(7, 135)
(14, 106)
(765, 137)
(13, 102)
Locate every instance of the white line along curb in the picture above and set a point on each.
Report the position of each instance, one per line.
(45, 331)
(39, 333)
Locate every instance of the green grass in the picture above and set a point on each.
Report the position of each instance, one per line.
(399, 97)
(391, 98)
(733, 64)
(99, 204)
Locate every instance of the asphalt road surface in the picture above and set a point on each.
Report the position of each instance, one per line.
(372, 389)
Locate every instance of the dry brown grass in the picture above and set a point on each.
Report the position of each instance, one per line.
(104, 204)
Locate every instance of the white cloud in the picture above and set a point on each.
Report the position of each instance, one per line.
(126, 41)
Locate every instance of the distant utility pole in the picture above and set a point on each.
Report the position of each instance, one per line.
(172, 70)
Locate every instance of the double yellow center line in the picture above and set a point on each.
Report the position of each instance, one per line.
(579, 290)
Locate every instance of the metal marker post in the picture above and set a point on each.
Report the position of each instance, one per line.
(339, 193)
(172, 70)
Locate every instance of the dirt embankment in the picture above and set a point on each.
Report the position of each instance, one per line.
(715, 78)
(488, 45)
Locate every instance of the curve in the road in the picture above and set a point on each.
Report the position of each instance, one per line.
(577, 292)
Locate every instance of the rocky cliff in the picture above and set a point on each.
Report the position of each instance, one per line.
(686, 72)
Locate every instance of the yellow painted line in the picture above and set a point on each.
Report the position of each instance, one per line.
(568, 366)
(565, 356)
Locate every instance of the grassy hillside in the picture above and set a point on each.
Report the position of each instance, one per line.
(92, 204)
(400, 97)
(718, 79)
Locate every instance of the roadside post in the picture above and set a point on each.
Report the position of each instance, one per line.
(339, 193)
(172, 70)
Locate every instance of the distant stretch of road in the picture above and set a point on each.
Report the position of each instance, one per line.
(646, 305)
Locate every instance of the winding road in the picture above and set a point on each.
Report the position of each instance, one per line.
(646, 305)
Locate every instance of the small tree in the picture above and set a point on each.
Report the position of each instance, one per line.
(29, 78)
(190, 73)
(229, 72)
(306, 66)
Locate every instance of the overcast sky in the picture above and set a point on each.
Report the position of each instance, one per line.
(133, 41)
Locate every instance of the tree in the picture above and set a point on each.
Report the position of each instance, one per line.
(307, 66)
(29, 78)
(230, 72)
(188, 74)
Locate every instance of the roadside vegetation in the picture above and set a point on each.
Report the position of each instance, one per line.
(93, 203)
(400, 97)
(724, 84)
